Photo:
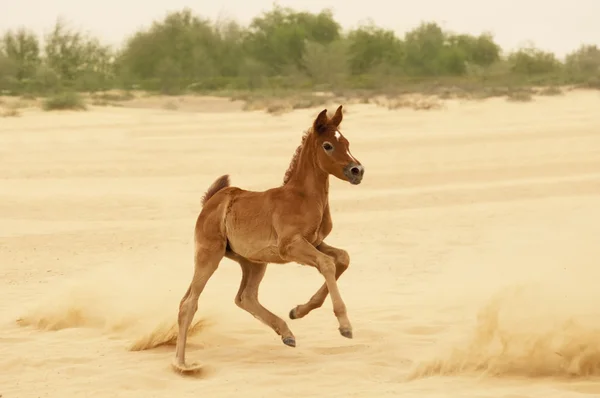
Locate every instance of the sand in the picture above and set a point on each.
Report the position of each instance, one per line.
(474, 242)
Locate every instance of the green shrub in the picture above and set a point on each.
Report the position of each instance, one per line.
(68, 100)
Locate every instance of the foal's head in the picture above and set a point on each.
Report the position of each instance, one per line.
(333, 149)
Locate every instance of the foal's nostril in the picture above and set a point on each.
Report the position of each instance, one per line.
(354, 172)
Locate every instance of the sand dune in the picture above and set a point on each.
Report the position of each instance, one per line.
(474, 241)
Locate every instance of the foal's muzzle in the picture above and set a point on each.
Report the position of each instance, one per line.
(354, 173)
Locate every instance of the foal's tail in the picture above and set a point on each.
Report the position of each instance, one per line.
(220, 183)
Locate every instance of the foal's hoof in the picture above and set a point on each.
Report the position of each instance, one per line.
(289, 341)
(186, 369)
(346, 333)
(293, 313)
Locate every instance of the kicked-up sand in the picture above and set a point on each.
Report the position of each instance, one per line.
(474, 242)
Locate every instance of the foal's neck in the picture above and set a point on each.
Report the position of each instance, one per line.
(307, 176)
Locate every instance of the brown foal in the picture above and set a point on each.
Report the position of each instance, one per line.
(280, 225)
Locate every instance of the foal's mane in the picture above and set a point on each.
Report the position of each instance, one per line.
(294, 161)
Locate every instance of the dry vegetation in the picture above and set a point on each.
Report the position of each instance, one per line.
(10, 111)
(12, 107)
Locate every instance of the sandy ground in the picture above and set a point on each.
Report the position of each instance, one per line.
(474, 240)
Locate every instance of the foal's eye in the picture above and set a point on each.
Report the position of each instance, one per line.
(327, 146)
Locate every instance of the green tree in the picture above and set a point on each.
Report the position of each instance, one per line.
(326, 63)
(530, 61)
(22, 50)
(8, 73)
(584, 62)
(370, 46)
(478, 50)
(277, 38)
(426, 52)
(174, 52)
(79, 61)
(229, 48)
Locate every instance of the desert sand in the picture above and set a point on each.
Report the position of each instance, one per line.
(474, 242)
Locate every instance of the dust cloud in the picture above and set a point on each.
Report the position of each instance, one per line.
(535, 318)
(137, 305)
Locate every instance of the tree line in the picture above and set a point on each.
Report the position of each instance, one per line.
(279, 49)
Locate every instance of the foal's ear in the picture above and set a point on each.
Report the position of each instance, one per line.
(321, 122)
(337, 117)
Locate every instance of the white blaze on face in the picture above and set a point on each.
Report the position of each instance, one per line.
(337, 137)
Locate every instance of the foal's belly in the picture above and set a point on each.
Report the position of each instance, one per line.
(265, 251)
(267, 255)
(255, 251)
(258, 246)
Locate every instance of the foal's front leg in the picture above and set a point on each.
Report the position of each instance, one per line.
(299, 250)
(342, 261)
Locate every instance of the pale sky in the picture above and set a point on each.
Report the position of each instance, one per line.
(556, 25)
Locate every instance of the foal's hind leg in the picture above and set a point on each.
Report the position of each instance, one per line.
(247, 299)
(342, 261)
(206, 261)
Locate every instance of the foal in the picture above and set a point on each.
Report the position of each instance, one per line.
(280, 225)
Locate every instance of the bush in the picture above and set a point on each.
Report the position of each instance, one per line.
(64, 101)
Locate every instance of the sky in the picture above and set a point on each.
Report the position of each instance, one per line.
(559, 26)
